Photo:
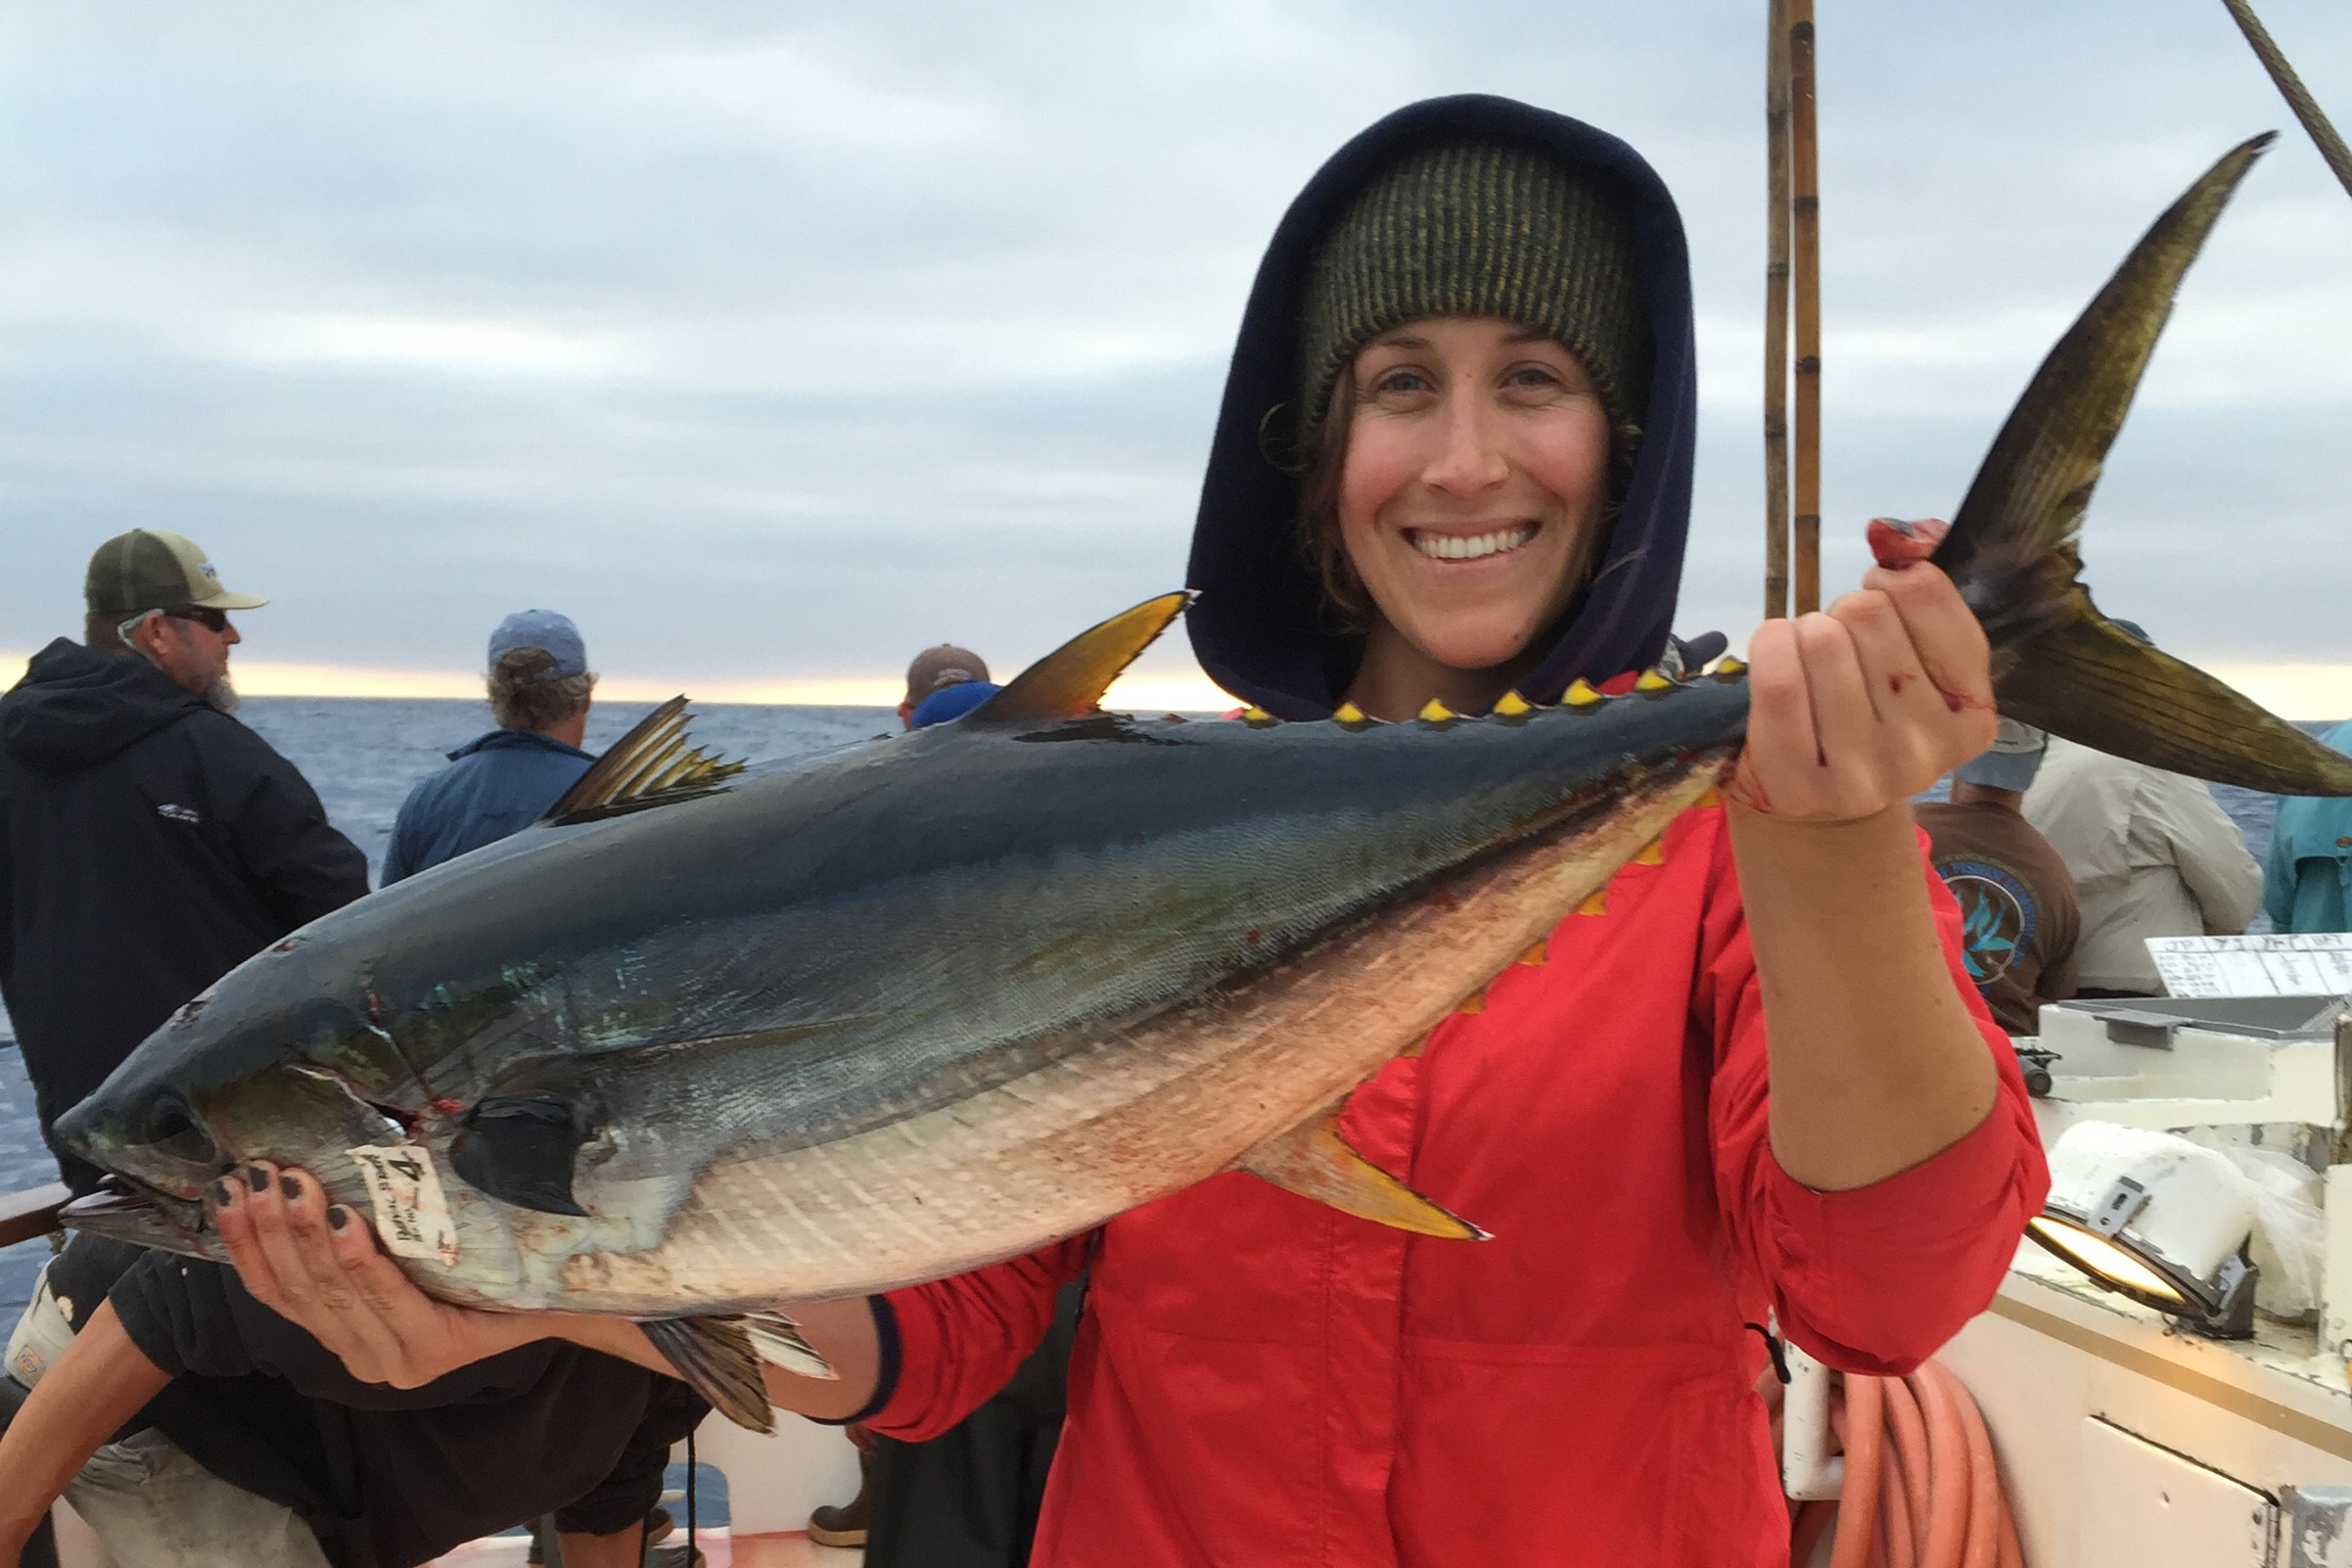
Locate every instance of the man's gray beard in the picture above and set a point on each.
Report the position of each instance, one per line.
(222, 695)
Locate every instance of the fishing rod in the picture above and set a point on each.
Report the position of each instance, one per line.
(1776, 315)
(1804, 256)
(1792, 555)
(2290, 87)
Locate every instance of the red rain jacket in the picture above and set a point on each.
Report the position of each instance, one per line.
(1260, 1380)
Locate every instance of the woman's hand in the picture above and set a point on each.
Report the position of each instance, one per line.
(1858, 708)
(318, 1266)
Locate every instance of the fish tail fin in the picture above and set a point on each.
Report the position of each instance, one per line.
(2013, 550)
(2090, 681)
(1315, 1161)
(720, 1357)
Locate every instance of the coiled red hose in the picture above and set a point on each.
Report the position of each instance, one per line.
(1922, 1487)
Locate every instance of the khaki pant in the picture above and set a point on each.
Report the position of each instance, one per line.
(151, 1504)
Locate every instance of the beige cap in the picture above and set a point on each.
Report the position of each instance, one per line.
(150, 569)
(936, 668)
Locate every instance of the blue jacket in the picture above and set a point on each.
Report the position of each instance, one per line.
(493, 786)
(2306, 876)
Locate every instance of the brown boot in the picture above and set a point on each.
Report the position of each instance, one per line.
(846, 1526)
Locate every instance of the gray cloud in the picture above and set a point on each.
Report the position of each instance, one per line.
(783, 340)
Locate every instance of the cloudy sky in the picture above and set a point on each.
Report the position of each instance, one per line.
(774, 341)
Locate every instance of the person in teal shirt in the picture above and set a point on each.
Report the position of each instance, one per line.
(2307, 876)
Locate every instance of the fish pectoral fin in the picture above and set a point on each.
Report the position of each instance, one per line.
(1314, 1160)
(1069, 682)
(520, 1151)
(777, 1339)
(716, 1357)
(650, 766)
(2090, 681)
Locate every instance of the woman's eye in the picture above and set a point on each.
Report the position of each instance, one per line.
(1537, 377)
(1399, 381)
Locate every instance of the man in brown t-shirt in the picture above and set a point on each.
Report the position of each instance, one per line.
(2018, 919)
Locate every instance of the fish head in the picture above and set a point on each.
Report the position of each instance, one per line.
(242, 1072)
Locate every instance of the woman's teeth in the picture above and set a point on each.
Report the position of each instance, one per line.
(1470, 547)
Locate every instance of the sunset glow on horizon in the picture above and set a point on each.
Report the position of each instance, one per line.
(2305, 692)
(1148, 692)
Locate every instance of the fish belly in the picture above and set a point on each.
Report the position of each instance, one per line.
(1129, 1112)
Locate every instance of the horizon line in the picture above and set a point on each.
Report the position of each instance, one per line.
(1176, 691)
(2302, 691)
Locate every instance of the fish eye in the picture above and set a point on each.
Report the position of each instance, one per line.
(168, 1125)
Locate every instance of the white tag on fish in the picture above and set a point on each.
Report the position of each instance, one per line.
(412, 1218)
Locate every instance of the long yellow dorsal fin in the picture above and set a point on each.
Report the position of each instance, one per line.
(1475, 1002)
(1653, 680)
(1651, 853)
(1513, 706)
(1534, 955)
(1730, 668)
(1314, 1161)
(1579, 694)
(1434, 712)
(1069, 682)
(1350, 714)
(1597, 905)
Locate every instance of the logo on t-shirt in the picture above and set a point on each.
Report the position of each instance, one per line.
(179, 814)
(1998, 915)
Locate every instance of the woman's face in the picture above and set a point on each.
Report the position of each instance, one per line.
(1472, 488)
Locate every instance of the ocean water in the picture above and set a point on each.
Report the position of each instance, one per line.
(363, 755)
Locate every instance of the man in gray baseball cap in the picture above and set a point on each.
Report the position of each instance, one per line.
(503, 781)
(148, 842)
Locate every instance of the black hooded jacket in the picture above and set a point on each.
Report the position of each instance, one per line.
(1260, 627)
(147, 845)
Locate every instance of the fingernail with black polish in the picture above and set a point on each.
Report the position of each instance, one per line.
(338, 1217)
(256, 1179)
(224, 1192)
(290, 1187)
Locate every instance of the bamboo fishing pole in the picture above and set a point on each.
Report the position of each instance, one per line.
(2290, 87)
(1804, 253)
(1776, 315)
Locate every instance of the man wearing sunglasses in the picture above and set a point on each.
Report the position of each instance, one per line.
(148, 842)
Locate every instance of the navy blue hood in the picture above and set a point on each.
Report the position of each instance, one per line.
(1261, 627)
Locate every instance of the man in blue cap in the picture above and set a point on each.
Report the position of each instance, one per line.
(502, 782)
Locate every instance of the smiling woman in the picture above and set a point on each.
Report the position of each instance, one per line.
(1673, 1113)
(1469, 505)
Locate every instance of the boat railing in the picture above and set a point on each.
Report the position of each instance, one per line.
(30, 1213)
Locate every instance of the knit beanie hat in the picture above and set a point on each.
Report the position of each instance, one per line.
(1471, 228)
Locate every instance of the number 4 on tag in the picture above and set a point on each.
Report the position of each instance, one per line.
(412, 1218)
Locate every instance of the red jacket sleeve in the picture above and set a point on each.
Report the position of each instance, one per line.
(960, 1339)
(1874, 1279)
